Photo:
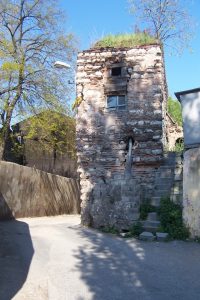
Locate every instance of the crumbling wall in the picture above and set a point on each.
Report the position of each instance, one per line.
(174, 133)
(108, 197)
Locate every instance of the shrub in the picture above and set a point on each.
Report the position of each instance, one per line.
(171, 219)
(134, 230)
(146, 208)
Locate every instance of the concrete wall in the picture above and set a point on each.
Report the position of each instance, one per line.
(37, 157)
(28, 192)
(43, 160)
(191, 191)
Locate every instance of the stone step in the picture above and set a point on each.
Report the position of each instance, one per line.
(167, 181)
(151, 226)
(166, 167)
(152, 216)
(165, 175)
(147, 236)
(151, 223)
(162, 193)
(162, 236)
(163, 186)
(155, 201)
(152, 229)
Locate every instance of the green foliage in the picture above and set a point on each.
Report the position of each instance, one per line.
(126, 40)
(52, 130)
(32, 36)
(17, 148)
(111, 230)
(77, 102)
(174, 109)
(146, 208)
(134, 230)
(171, 219)
(179, 146)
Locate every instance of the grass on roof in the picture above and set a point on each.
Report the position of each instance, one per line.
(126, 40)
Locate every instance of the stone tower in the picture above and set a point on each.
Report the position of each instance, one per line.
(121, 94)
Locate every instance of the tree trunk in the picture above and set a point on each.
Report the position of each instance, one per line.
(7, 140)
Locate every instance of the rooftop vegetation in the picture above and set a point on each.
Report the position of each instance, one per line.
(126, 40)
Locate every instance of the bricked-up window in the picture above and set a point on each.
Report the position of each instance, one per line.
(116, 102)
(117, 71)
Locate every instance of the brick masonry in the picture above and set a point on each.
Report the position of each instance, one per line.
(110, 195)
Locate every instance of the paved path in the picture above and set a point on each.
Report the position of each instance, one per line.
(54, 258)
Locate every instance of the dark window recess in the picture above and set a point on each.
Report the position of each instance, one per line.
(116, 71)
(116, 102)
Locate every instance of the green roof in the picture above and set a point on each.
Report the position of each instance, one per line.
(128, 40)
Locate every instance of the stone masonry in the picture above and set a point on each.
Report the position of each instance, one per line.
(120, 131)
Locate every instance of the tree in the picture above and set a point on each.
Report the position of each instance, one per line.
(174, 109)
(53, 131)
(31, 40)
(168, 21)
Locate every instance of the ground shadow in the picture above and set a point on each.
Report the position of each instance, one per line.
(110, 267)
(16, 252)
(117, 269)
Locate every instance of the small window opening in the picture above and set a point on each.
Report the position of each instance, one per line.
(116, 71)
(116, 102)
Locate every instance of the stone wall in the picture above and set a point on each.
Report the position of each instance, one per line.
(191, 191)
(110, 194)
(28, 192)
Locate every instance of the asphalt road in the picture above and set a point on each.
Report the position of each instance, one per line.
(54, 258)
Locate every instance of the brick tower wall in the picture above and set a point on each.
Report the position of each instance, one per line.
(122, 96)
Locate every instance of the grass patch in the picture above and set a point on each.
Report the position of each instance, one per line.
(126, 40)
(171, 220)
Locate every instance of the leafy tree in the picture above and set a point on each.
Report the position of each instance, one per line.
(52, 130)
(174, 109)
(168, 20)
(31, 40)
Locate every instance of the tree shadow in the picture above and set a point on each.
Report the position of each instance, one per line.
(125, 269)
(102, 262)
(16, 252)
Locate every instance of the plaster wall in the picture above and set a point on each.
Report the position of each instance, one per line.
(191, 191)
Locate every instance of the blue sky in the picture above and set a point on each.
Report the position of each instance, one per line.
(91, 19)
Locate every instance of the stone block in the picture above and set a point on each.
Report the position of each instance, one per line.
(152, 216)
(162, 236)
(147, 236)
